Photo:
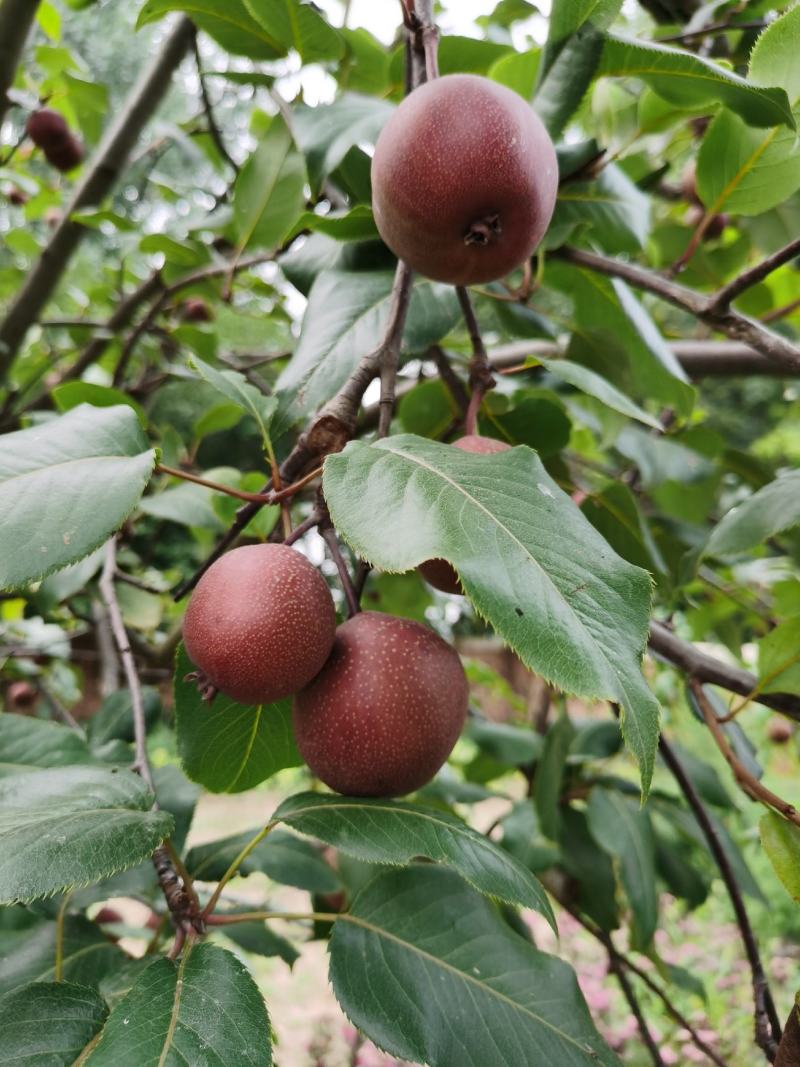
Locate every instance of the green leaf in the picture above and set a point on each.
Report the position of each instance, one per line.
(530, 563)
(268, 197)
(781, 842)
(205, 1009)
(260, 940)
(689, 80)
(26, 743)
(240, 392)
(325, 134)
(47, 1024)
(187, 504)
(549, 776)
(745, 170)
(229, 23)
(592, 868)
(749, 171)
(70, 394)
(773, 60)
(625, 833)
(568, 16)
(615, 336)
(29, 954)
(358, 224)
(615, 211)
(298, 25)
(517, 71)
(284, 858)
(394, 832)
(563, 85)
(779, 659)
(65, 486)
(767, 512)
(226, 746)
(613, 511)
(431, 973)
(70, 826)
(593, 385)
(504, 742)
(346, 318)
(115, 716)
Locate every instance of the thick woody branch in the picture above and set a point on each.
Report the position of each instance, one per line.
(707, 668)
(100, 177)
(767, 1024)
(16, 19)
(331, 428)
(700, 359)
(735, 326)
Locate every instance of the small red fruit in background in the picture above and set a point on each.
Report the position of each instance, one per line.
(260, 623)
(385, 711)
(195, 309)
(49, 131)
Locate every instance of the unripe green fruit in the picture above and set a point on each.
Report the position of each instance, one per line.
(384, 713)
(438, 572)
(260, 623)
(464, 180)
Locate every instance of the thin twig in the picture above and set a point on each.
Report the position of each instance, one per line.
(450, 379)
(181, 898)
(767, 1023)
(252, 844)
(302, 528)
(328, 535)
(141, 762)
(331, 428)
(213, 128)
(481, 379)
(723, 298)
(618, 971)
(748, 783)
(712, 29)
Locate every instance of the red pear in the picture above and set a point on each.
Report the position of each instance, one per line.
(260, 624)
(464, 180)
(385, 711)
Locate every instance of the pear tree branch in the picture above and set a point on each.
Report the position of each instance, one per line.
(767, 1023)
(98, 180)
(16, 19)
(706, 309)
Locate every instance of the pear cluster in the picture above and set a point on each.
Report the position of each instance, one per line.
(49, 131)
(379, 702)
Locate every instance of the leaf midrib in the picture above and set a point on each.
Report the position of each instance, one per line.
(483, 986)
(493, 518)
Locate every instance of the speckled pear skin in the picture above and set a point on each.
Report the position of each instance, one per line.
(387, 708)
(438, 572)
(260, 623)
(462, 152)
